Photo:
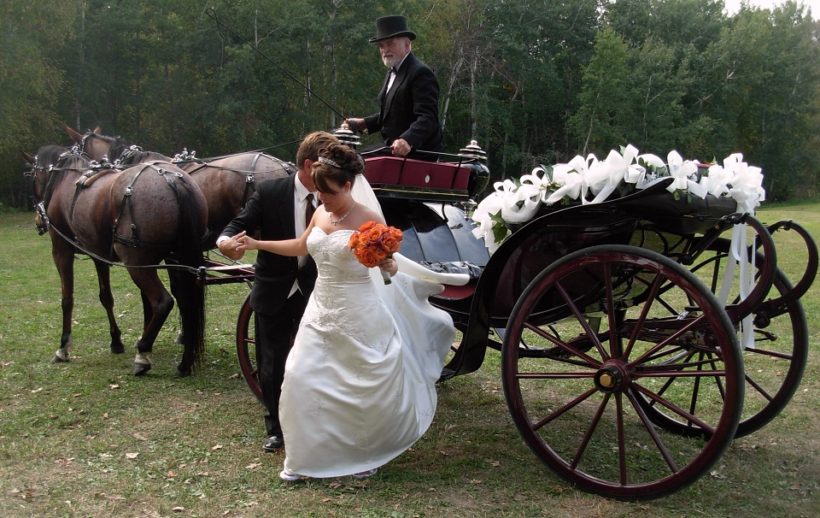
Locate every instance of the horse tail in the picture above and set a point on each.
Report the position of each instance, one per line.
(187, 287)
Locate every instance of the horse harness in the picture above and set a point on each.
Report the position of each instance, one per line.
(127, 204)
(250, 176)
(85, 181)
(91, 174)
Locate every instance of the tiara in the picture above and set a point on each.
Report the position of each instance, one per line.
(323, 160)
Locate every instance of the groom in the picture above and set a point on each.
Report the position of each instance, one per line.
(280, 209)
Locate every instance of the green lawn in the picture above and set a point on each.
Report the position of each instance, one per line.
(88, 439)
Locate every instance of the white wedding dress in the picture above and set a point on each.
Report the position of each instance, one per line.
(359, 384)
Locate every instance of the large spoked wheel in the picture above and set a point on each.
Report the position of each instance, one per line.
(581, 411)
(773, 366)
(246, 347)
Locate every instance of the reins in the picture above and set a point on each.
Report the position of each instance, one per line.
(198, 271)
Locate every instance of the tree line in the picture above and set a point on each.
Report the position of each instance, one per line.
(534, 82)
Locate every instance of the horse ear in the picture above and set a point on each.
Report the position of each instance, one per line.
(73, 134)
(97, 130)
(27, 157)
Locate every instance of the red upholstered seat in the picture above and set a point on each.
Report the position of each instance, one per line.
(457, 292)
(396, 176)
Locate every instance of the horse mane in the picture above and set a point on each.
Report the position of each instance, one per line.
(119, 146)
(136, 155)
(69, 160)
(48, 155)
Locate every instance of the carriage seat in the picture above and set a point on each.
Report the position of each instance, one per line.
(452, 292)
(410, 178)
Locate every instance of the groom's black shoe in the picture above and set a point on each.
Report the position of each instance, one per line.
(274, 443)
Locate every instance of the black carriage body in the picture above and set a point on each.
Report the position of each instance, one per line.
(426, 201)
(651, 218)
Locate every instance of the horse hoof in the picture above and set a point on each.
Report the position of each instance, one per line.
(59, 359)
(183, 373)
(142, 364)
(117, 349)
(140, 369)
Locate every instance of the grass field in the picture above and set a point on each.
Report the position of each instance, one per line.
(88, 439)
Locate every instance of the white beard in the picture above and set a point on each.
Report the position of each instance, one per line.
(392, 61)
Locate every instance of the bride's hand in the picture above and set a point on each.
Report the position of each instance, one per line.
(246, 242)
(390, 266)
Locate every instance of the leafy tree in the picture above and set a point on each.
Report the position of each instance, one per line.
(29, 84)
(534, 81)
(765, 111)
(604, 99)
(658, 85)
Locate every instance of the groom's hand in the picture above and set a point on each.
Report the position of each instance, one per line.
(230, 247)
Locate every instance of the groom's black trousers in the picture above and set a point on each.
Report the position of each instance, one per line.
(274, 338)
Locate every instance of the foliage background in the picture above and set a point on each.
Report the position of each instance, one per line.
(533, 81)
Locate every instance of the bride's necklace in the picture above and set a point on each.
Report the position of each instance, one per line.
(346, 214)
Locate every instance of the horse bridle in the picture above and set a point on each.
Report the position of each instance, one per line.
(41, 222)
(41, 207)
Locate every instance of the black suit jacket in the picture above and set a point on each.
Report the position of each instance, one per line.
(410, 109)
(270, 211)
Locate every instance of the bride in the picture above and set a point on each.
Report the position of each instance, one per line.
(359, 385)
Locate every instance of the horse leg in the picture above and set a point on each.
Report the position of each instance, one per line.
(189, 294)
(107, 300)
(63, 255)
(157, 304)
(174, 282)
(146, 307)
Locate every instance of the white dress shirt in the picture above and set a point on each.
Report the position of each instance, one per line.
(393, 71)
(300, 193)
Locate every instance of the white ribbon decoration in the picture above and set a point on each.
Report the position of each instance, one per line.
(585, 177)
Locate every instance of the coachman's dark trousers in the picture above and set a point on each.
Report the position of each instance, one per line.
(274, 338)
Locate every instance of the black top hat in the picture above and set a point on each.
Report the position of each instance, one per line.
(391, 27)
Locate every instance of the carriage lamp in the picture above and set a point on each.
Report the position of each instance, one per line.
(480, 177)
(346, 136)
(473, 150)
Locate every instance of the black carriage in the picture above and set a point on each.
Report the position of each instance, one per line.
(623, 351)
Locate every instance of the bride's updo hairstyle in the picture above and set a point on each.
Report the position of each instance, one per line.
(336, 165)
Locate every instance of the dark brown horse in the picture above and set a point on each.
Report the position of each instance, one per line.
(139, 216)
(226, 182)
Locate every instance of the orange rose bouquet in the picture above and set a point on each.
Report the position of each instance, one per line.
(373, 243)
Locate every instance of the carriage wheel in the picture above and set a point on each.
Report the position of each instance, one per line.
(773, 368)
(246, 347)
(581, 412)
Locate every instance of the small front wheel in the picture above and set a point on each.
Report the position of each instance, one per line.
(604, 309)
(246, 348)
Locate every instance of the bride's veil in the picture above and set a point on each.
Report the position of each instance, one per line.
(363, 193)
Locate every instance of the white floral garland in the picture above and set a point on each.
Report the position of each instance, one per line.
(585, 178)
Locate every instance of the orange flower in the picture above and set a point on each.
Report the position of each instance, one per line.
(390, 242)
(375, 242)
(367, 226)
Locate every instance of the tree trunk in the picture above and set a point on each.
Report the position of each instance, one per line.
(473, 97)
(591, 120)
(78, 122)
(451, 83)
